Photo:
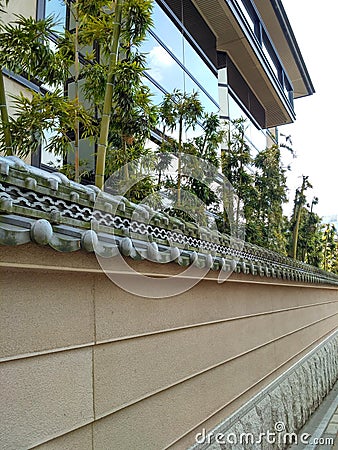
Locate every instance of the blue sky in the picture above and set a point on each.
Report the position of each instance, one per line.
(314, 133)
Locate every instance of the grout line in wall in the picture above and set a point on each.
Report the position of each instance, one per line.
(64, 433)
(211, 322)
(46, 352)
(93, 347)
(45, 268)
(212, 367)
(241, 411)
(330, 334)
(157, 332)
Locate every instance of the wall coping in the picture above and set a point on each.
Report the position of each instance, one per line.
(49, 209)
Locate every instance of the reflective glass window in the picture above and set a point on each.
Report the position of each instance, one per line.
(57, 9)
(195, 64)
(157, 94)
(256, 138)
(208, 105)
(270, 60)
(168, 32)
(246, 14)
(171, 64)
(162, 67)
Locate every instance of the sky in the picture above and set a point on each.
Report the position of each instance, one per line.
(314, 134)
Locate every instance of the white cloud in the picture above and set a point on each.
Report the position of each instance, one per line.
(159, 60)
(160, 57)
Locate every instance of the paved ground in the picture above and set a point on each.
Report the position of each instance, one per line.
(322, 426)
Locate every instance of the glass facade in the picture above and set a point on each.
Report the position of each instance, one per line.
(256, 137)
(175, 64)
(176, 61)
(264, 40)
(57, 9)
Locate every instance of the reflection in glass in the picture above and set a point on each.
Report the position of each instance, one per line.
(172, 60)
(270, 61)
(162, 66)
(246, 15)
(168, 32)
(57, 9)
(256, 137)
(208, 105)
(194, 63)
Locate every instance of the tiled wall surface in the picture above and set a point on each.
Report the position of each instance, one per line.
(85, 365)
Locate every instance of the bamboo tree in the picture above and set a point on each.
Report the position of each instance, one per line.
(4, 117)
(24, 49)
(312, 225)
(206, 147)
(3, 103)
(329, 247)
(183, 110)
(300, 201)
(76, 82)
(236, 159)
(107, 106)
(310, 236)
(266, 226)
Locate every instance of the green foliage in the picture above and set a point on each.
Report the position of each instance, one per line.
(144, 189)
(97, 20)
(131, 22)
(310, 249)
(236, 161)
(46, 114)
(299, 202)
(138, 20)
(205, 147)
(180, 110)
(267, 225)
(133, 115)
(2, 5)
(330, 248)
(24, 49)
(94, 76)
(84, 170)
(317, 244)
(260, 184)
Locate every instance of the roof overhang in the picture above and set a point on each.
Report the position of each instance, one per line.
(235, 37)
(277, 23)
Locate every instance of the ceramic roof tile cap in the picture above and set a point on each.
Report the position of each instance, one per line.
(42, 232)
(89, 240)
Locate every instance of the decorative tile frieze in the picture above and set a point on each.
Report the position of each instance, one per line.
(49, 209)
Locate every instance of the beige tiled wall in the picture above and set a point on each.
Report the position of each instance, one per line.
(86, 365)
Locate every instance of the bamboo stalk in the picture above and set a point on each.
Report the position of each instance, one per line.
(298, 215)
(76, 82)
(4, 117)
(107, 106)
(179, 168)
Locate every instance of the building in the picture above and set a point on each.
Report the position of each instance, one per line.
(87, 365)
(240, 55)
